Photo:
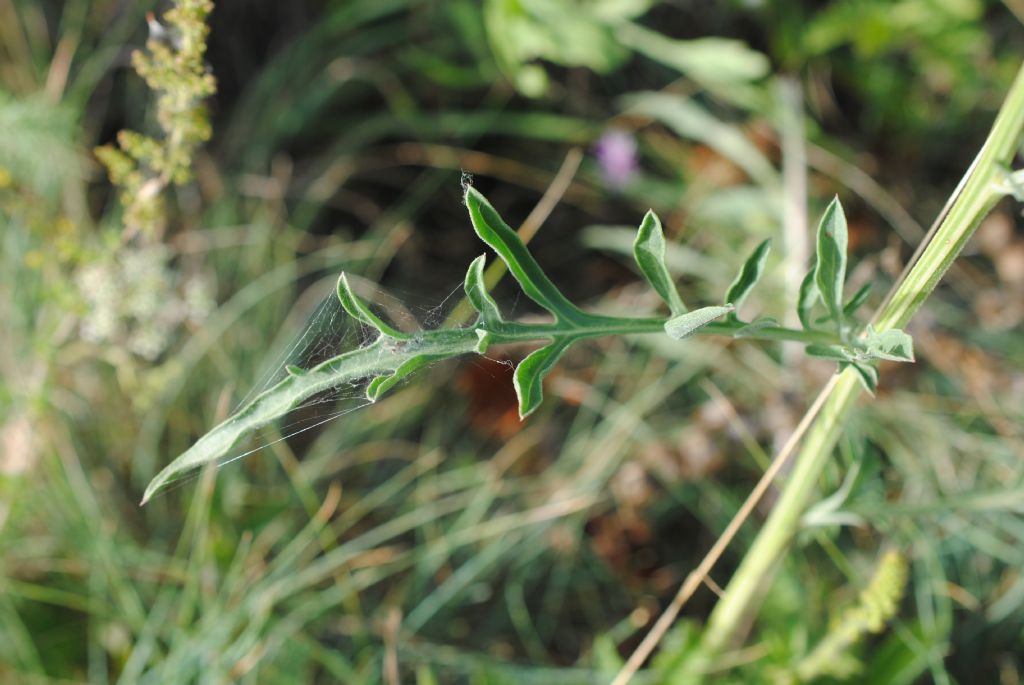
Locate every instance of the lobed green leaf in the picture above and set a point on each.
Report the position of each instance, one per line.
(867, 374)
(649, 252)
(217, 444)
(489, 225)
(381, 384)
(687, 324)
(806, 300)
(476, 292)
(358, 310)
(830, 273)
(748, 276)
(529, 375)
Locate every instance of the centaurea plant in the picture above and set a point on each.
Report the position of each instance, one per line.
(393, 354)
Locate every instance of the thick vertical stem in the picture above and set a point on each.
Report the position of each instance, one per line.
(739, 600)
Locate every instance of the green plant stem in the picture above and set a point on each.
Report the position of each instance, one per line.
(978, 195)
(394, 355)
(387, 354)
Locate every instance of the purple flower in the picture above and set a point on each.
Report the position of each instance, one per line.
(616, 153)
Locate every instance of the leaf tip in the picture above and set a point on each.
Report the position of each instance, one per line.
(528, 403)
(373, 389)
(521, 386)
(343, 289)
(470, 193)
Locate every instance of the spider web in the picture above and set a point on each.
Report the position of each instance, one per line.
(328, 331)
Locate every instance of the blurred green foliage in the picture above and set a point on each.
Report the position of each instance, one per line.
(430, 536)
